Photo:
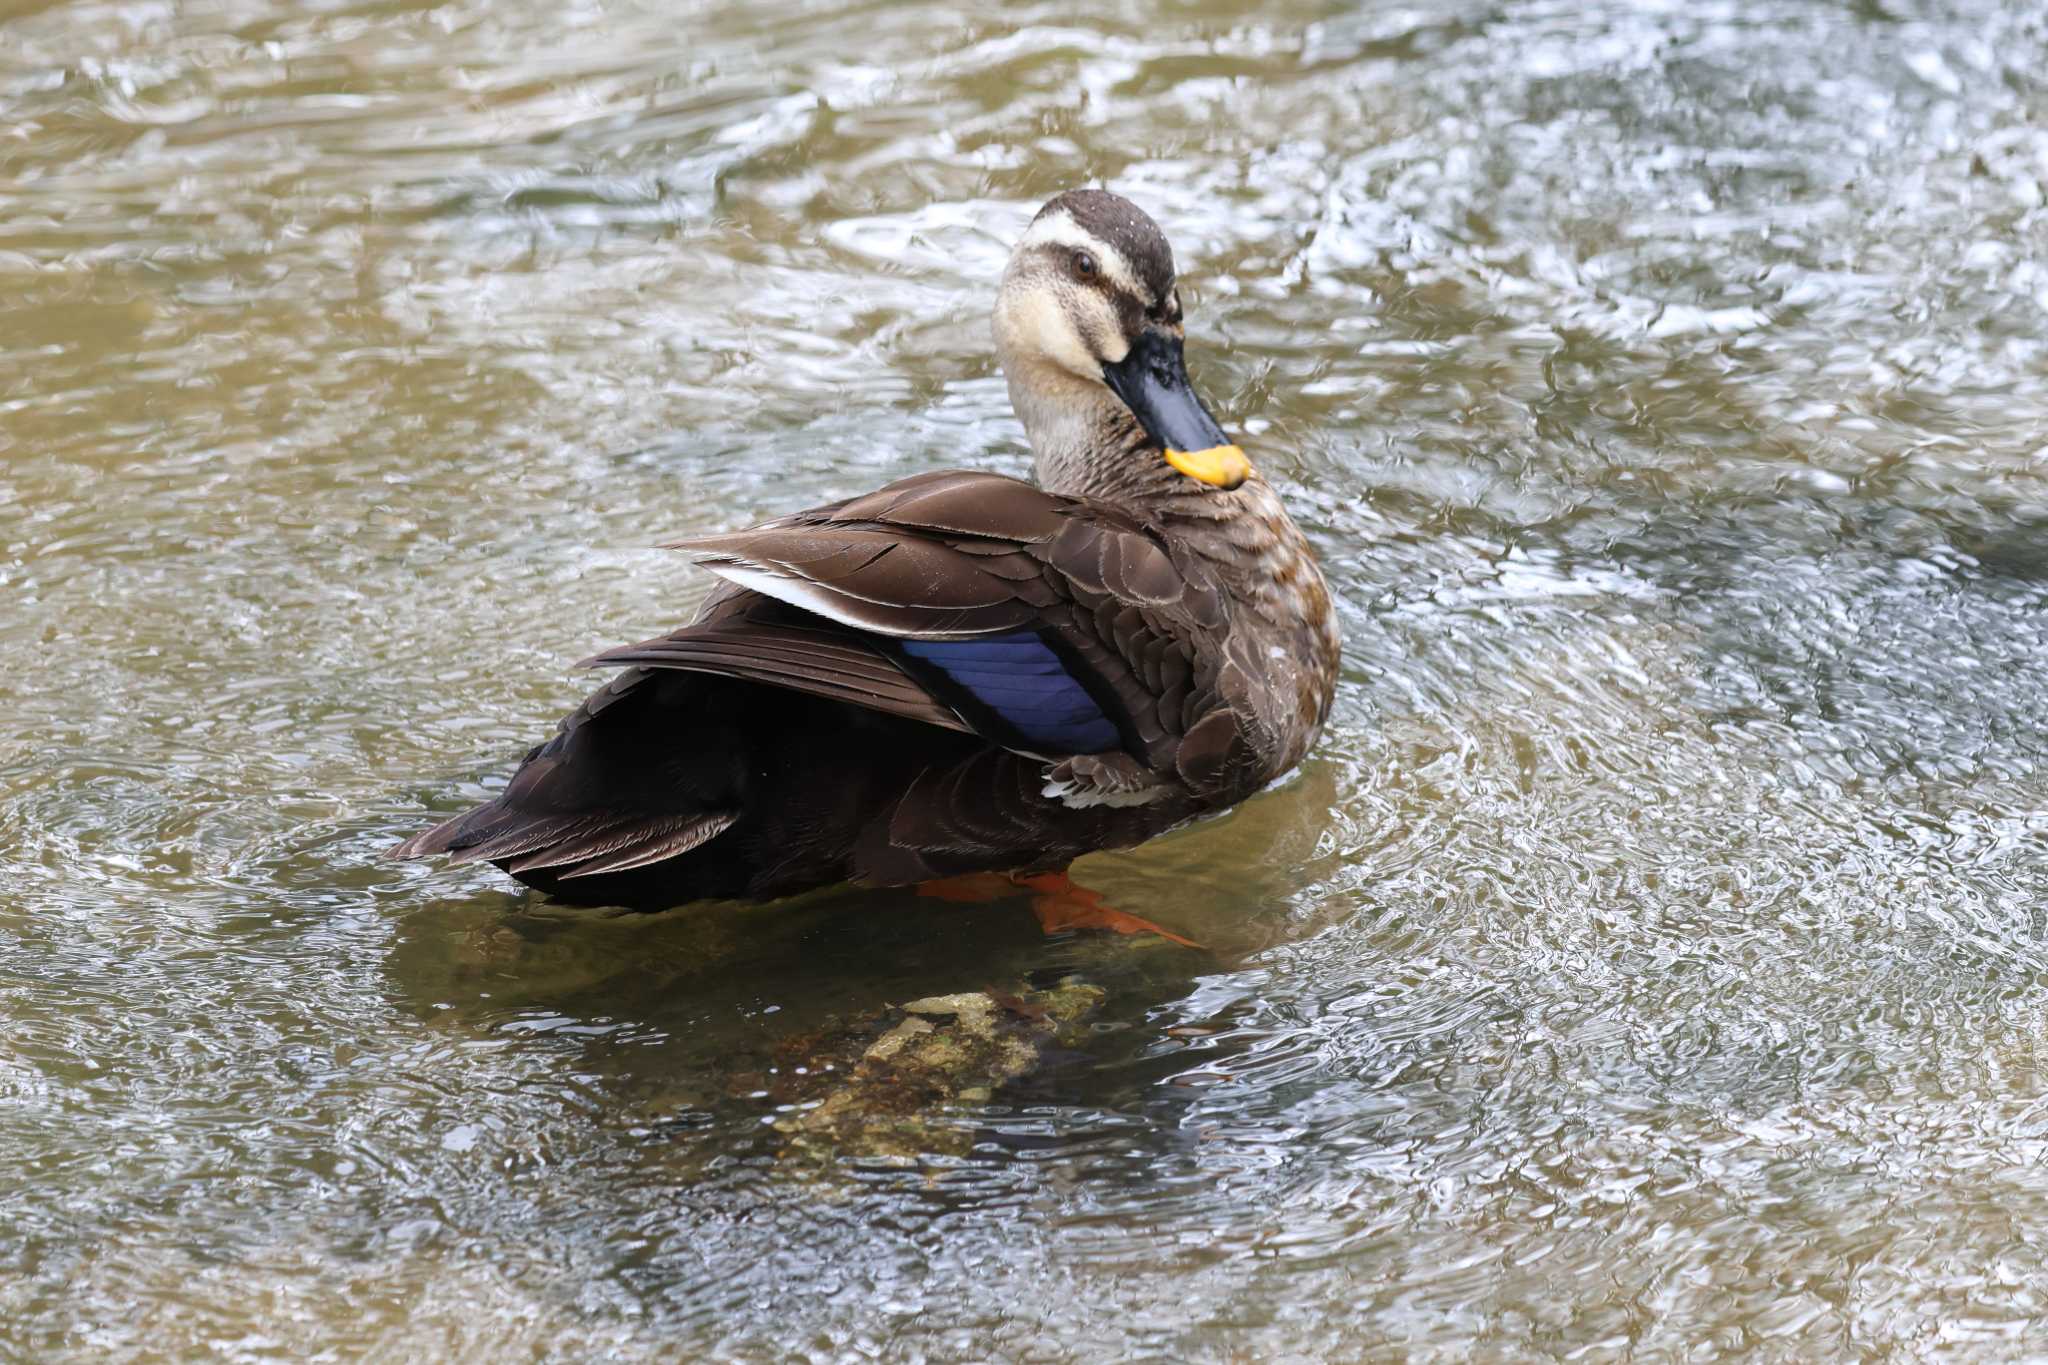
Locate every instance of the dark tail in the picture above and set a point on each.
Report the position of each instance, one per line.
(639, 774)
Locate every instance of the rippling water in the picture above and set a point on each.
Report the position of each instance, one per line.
(1653, 957)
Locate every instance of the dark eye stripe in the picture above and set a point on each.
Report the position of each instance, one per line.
(1130, 309)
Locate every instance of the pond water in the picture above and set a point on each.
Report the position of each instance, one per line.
(1653, 956)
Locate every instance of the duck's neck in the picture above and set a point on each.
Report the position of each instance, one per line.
(1086, 444)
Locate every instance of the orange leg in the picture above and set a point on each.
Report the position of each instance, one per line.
(1055, 899)
(975, 888)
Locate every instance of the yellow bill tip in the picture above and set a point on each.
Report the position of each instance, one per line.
(1221, 466)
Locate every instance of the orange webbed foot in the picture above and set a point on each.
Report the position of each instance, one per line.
(1055, 900)
(1060, 904)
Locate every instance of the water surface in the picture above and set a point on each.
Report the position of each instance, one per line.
(1651, 958)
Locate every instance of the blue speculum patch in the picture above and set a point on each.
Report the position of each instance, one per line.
(1019, 678)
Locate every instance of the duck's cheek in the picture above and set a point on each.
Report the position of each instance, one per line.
(1095, 317)
(1037, 323)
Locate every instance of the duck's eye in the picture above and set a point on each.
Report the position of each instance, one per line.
(1084, 264)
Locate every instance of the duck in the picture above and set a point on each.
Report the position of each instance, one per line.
(962, 681)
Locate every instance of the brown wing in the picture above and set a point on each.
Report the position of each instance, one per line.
(958, 555)
(762, 640)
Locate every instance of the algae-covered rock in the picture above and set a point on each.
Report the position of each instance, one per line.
(889, 1083)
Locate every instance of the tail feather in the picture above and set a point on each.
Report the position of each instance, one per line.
(494, 831)
(513, 836)
(590, 839)
(585, 844)
(681, 838)
(461, 832)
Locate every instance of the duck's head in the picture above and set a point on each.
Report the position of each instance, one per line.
(1088, 329)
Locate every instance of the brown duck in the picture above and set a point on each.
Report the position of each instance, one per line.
(960, 673)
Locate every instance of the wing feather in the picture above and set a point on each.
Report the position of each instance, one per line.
(809, 659)
(957, 556)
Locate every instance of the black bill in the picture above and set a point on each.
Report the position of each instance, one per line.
(1153, 382)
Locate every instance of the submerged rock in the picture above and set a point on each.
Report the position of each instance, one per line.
(888, 1083)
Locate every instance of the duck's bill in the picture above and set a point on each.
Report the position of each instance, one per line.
(1153, 382)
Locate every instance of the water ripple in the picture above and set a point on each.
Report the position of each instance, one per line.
(1649, 960)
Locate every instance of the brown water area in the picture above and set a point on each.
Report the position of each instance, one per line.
(1651, 959)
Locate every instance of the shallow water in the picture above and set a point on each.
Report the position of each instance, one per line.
(1651, 958)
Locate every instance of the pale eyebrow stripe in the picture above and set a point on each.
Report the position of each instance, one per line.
(1060, 229)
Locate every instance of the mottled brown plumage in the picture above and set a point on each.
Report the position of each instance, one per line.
(960, 672)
